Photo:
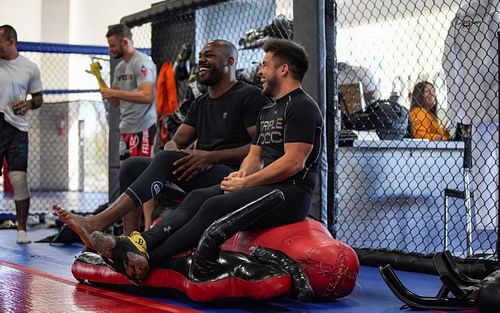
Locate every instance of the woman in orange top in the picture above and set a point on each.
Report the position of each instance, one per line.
(423, 118)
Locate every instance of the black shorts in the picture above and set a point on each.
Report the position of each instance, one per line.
(13, 146)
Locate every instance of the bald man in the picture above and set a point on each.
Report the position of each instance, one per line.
(222, 122)
(19, 77)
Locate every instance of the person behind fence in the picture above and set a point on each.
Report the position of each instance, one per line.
(424, 122)
(133, 90)
(222, 122)
(284, 155)
(18, 78)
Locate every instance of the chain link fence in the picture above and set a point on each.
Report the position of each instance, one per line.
(418, 80)
(68, 135)
(405, 180)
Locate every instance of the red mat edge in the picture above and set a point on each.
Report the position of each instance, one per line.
(101, 292)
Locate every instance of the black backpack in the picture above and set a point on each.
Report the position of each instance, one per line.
(389, 119)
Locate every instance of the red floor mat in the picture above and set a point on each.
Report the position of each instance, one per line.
(24, 289)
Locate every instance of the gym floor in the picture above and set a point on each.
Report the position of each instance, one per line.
(37, 278)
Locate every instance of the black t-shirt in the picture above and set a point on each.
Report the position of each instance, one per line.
(293, 118)
(222, 123)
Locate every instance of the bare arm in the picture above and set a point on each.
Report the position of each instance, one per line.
(36, 100)
(286, 166)
(231, 155)
(182, 139)
(252, 162)
(21, 107)
(144, 94)
(199, 160)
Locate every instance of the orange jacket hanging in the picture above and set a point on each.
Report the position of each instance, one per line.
(166, 97)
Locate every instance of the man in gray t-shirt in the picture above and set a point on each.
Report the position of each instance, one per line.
(133, 89)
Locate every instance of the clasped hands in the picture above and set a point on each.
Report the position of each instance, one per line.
(233, 182)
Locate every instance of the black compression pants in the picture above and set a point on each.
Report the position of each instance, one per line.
(144, 178)
(182, 229)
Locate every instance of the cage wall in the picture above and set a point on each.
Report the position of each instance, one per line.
(396, 166)
(403, 144)
(68, 135)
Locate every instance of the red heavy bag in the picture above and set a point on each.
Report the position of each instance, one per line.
(331, 266)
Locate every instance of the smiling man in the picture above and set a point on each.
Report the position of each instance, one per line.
(222, 122)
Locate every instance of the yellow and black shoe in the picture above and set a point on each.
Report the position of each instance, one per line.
(139, 242)
(127, 255)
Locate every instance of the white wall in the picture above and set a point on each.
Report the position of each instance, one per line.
(28, 22)
(401, 42)
(67, 21)
(91, 18)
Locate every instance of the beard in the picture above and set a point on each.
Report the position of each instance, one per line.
(214, 76)
(271, 87)
(118, 54)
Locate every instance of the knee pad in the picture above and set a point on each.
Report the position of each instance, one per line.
(19, 182)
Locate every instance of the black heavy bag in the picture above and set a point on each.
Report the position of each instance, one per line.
(488, 297)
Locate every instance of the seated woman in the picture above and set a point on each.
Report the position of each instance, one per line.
(424, 123)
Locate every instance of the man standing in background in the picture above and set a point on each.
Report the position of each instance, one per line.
(18, 78)
(133, 89)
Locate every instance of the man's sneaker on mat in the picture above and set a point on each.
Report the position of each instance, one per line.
(22, 238)
(127, 255)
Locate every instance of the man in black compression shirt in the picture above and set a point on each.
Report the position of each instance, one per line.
(222, 121)
(283, 155)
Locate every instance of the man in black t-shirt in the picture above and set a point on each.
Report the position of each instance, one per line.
(284, 155)
(221, 122)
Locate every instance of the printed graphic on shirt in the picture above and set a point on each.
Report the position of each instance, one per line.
(144, 71)
(125, 77)
(271, 131)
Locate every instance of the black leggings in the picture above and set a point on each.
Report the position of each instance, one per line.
(182, 229)
(144, 178)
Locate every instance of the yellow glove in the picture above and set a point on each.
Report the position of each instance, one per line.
(95, 69)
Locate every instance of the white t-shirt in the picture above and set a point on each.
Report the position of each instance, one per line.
(470, 62)
(18, 78)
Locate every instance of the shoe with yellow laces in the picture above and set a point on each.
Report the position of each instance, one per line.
(127, 255)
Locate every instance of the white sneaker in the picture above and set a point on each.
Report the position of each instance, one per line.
(22, 238)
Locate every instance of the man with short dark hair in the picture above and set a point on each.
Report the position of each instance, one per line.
(18, 78)
(133, 89)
